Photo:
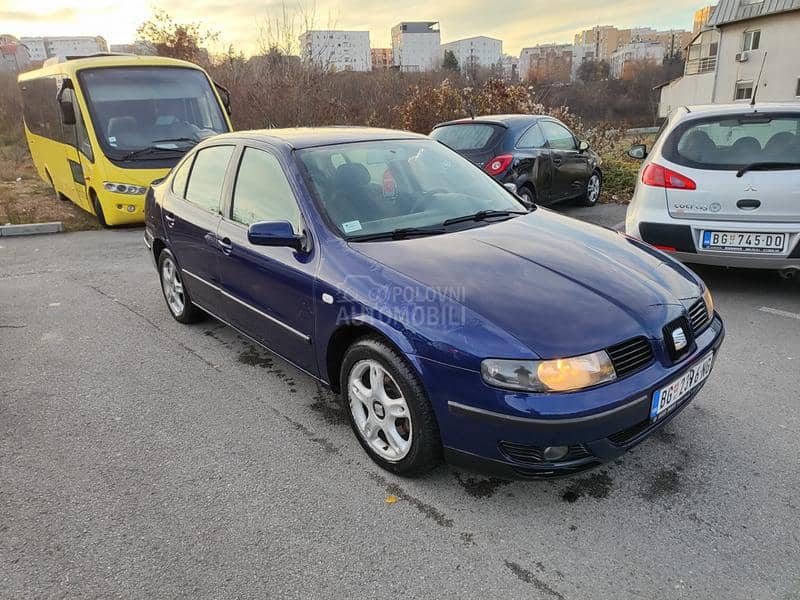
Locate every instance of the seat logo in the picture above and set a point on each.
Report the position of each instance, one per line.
(679, 340)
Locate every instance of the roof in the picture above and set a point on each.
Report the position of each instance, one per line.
(738, 107)
(731, 11)
(70, 67)
(310, 137)
(505, 120)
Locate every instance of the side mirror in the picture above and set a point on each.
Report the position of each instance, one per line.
(583, 146)
(274, 233)
(511, 187)
(226, 97)
(638, 151)
(65, 107)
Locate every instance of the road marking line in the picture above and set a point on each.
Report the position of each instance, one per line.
(780, 313)
(618, 225)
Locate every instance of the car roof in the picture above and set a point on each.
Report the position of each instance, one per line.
(509, 121)
(309, 137)
(740, 107)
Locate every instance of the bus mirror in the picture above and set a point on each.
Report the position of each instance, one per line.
(67, 112)
(225, 95)
(65, 106)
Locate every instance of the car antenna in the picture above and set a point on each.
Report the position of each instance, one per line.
(758, 81)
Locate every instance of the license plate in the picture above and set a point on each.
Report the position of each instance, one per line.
(669, 397)
(744, 241)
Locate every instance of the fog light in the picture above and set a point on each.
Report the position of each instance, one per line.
(555, 453)
(131, 208)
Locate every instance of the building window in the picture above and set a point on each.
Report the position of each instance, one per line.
(752, 39)
(744, 90)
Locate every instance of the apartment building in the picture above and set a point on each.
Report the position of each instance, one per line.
(42, 48)
(382, 58)
(601, 39)
(726, 58)
(416, 46)
(628, 56)
(479, 51)
(546, 62)
(337, 50)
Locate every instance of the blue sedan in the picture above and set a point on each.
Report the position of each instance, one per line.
(455, 322)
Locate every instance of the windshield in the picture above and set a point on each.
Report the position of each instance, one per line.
(733, 142)
(467, 136)
(370, 188)
(138, 108)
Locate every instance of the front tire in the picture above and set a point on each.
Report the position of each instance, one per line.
(389, 410)
(593, 189)
(98, 211)
(175, 294)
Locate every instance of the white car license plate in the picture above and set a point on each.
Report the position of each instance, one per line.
(667, 398)
(744, 241)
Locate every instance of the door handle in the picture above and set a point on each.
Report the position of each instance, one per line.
(557, 161)
(225, 245)
(170, 219)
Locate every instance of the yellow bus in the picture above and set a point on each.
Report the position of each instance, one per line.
(100, 129)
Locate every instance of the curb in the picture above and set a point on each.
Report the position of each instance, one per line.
(31, 229)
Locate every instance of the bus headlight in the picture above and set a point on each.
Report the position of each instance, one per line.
(124, 188)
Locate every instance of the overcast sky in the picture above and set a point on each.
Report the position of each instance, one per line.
(517, 22)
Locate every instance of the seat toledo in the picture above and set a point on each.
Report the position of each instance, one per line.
(454, 322)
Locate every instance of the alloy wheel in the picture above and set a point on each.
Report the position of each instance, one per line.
(379, 410)
(173, 287)
(593, 189)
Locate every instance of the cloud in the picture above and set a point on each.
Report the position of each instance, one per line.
(51, 16)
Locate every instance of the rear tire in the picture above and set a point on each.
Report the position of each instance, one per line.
(528, 195)
(594, 187)
(389, 410)
(176, 295)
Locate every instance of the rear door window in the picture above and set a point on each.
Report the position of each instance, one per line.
(533, 138)
(468, 136)
(735, 141)
(208, 177)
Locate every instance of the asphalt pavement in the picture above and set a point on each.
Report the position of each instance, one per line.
(140, 458)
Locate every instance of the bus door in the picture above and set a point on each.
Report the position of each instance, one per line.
(78, 151)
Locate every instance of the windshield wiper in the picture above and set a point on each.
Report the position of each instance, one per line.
(148, 150)
(483, 215)
(768, 166)
(399, 234)
(177, 139)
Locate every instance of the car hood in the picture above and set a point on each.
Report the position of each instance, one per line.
(559, 286)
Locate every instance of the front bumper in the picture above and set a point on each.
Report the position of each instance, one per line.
(508, 445)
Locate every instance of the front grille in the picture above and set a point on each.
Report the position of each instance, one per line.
(698, 316)
(533, 454)
(681, 326)
(628, 357)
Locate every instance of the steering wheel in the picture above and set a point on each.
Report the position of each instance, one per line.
(422, 200)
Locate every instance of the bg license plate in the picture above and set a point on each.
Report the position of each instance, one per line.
(744, 241)
(667, 398)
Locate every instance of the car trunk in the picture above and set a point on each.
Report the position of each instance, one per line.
(745, 166)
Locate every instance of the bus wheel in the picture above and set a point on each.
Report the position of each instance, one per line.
(98, 211)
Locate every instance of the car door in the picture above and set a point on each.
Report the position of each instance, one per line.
(191, 213)
(78, 153)
(570, 165)
(534, 165)
(268, 291)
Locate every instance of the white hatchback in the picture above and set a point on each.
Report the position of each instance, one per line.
(721, 186)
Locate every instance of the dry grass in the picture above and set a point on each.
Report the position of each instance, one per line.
(25, 198)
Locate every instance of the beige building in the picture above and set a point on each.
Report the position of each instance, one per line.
(546, 62)
(381, 58)
(725, 60)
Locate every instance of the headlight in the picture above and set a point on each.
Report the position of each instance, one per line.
(124, 188)
(709, 303)
(559, 375)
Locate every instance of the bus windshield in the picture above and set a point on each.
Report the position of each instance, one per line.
(151, 111)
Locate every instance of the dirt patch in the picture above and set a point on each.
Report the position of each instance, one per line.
(596, 485)
(25, 198)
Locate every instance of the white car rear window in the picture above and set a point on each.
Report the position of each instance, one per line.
(738, 140)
